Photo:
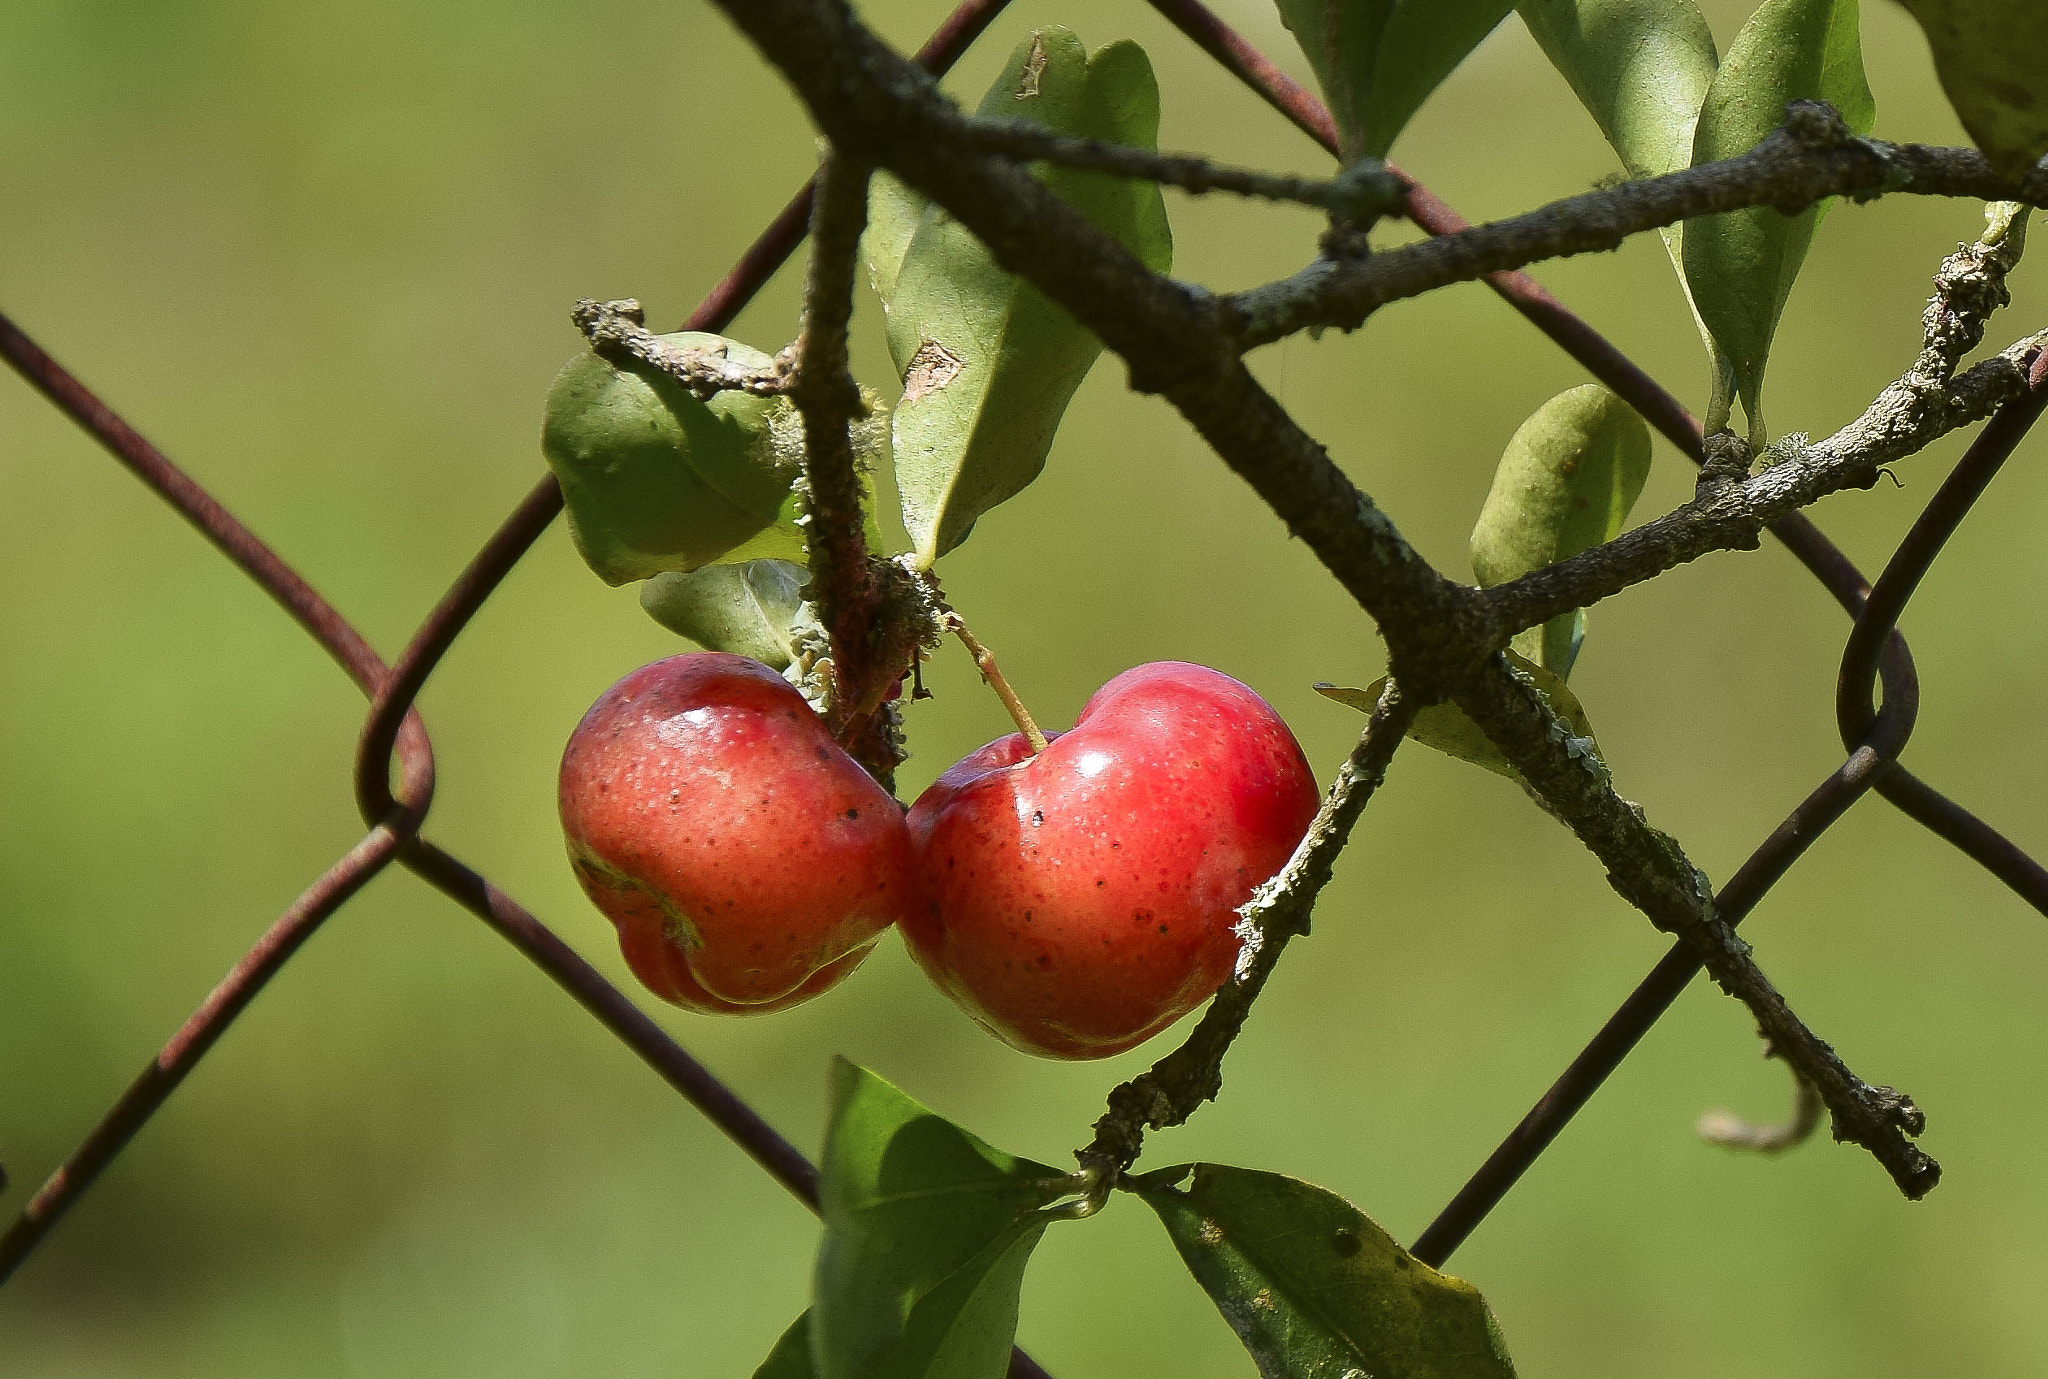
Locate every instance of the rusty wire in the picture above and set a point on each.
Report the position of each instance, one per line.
(1876, 653)
(394, 724)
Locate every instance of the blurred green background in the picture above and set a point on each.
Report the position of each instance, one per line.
(324, 256)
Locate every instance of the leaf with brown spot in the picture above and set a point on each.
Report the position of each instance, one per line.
(988, 362)
(931, 368)
(1314, 1288)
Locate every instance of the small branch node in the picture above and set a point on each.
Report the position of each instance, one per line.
(1968, 288)
(1816, 126)
(1728, 460)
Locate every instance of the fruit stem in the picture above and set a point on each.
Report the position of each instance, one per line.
(992, 676)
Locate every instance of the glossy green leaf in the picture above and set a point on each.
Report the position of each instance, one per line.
(1315, 1289)
(742, 608)
(1378, 60)
(655, 479)
(927, 1230)
(1741, 264)
(988, 363)
(791, 1357)
(1992, 58)
(1565, 484)
(1446, 728)
(1641, 68)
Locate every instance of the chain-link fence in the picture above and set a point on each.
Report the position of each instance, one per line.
(393, 732)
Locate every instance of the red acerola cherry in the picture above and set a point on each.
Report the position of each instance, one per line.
(746, 860)
(1081, 900)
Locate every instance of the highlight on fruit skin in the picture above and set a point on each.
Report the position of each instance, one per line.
(1079, 901)
(746, 861)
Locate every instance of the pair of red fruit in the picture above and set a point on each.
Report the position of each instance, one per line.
(1075, 901)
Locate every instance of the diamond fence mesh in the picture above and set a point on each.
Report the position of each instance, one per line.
(394, 777)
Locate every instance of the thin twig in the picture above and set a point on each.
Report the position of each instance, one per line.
(1535, 302)
(1907, 417)
(1875, 739)
(1821, 557)
(843, 584)
(1653, 996)
(992, 676)
(1812, 157)
(773, 246)
(1968, 287)
(1179, 1083)
(617, 330)
(1364, 190)
(1174, 339)
(1652, 873)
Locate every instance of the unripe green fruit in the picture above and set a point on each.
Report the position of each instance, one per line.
(655, 479)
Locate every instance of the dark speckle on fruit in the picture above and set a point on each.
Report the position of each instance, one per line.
(749, 915)
(1152, 936)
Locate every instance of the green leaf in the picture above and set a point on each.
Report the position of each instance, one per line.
(1378, 60)
(1565, 484)
(791, 1358)
(966, 1327)
(988, 363)
(742, 608)
(1446, 728)
(894, 212)
(1314, 1288)
(1641, 68)
(927, 1231)
(1992, 58)
(1741, 264)
(655, 479)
